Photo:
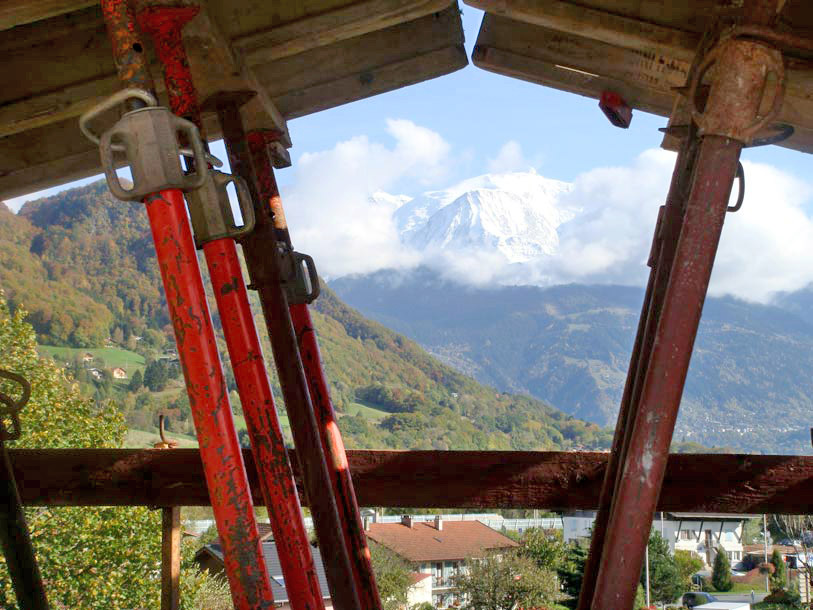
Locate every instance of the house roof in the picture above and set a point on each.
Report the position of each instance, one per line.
(274, 567)
(423, 542)
(416, 577)
(710, 516)
(752, 549)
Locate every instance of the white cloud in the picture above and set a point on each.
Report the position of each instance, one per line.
(328, 205)
(766, 246)
(510, 158)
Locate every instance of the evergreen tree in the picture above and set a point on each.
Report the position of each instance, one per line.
(571, 570)
(136, 381)
(779, 579)
(155, 375)
(721, 574)
(665, 582)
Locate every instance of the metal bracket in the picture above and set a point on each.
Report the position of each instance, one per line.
(299, 277)
(742, 68)
(11, 408)
(211, 212)
(741, 191)
(148, 138)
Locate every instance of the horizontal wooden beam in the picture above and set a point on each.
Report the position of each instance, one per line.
(380, 79)
(597, 25)
(740, 484)
(20, 12)
(645, 79)
(331, 26)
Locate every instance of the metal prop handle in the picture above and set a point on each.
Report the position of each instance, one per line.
(302, 263)
(118, 98)
(243, 202)
(211, 212)
(12, 408)
(150, 139)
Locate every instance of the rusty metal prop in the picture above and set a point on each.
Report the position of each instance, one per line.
(262, 259)
(14, 536)
(670, 220)
(10, 407)
(732, 111)
(197, 348)
(276, 478)
(332, 443)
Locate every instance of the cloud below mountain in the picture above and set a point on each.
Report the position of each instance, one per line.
(516, 227)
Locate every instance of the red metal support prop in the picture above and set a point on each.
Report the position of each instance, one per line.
(268, 446)
(225, 471)
(667, 230)
(262, 259)
(332, 443)
(730, 118)
(164, 24)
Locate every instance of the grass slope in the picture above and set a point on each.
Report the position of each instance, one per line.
(112, 356)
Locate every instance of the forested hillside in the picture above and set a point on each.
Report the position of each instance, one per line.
(95, 258)
(83, 265)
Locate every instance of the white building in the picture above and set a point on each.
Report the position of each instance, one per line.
(700, 534)
(437, 551)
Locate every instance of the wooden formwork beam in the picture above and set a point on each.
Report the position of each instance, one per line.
(741, 484)
(20, 12)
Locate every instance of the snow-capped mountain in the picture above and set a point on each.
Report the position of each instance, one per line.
(516, 215)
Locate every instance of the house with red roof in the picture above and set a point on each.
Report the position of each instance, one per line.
(437, 551)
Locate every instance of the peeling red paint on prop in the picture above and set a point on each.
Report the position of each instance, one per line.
(263, 264)
(164, 25)
(208, 398)
(128, 52)
(331, 438)
(220, 453)
(267, 444)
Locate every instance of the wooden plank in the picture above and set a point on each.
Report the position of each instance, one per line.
(357, 56)
(67, 102)
(642, 68)
(171, 558)
(372, 82)
(332, 26)
(588, 67)
(216, 67)
(743, 484)
(570, 80)
(597, 25)
(19, 12)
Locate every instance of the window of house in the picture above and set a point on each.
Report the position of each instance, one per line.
(687, 534)
(437, 574)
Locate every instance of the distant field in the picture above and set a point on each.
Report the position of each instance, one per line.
(368, 412)
(141, 439)
(112, 356)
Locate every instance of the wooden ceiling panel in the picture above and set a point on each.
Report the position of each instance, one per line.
(300, 57)
(611, 53)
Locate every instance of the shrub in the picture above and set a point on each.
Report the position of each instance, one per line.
(783, 596)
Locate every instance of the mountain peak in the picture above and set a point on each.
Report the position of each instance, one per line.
(515, 215)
